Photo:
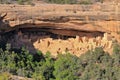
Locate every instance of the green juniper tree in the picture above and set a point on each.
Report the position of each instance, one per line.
(67, 67)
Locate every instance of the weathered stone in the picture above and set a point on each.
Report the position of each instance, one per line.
(85, 27)
(75, 47)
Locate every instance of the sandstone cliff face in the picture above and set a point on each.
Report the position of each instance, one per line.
(79, 27)
(97, 17)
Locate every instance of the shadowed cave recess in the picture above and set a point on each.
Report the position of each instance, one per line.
(47, 39)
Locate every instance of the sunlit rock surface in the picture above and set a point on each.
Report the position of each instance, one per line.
(60, 28)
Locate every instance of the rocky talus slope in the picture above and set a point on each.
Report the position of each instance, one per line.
(60, 28)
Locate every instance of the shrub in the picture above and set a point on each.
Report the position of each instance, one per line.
(7, 62)
(93, 65)
(62, 1)
(4, 76)
(99, 65)
(21, 2)
(44, 70)
(67, 67)
(85, 2)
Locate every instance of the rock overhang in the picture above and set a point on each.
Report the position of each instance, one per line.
(70, 22)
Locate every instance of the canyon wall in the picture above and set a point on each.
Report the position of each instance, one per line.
(96, 17)
(72, 28)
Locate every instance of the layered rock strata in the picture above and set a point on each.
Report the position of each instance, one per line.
(72, 28)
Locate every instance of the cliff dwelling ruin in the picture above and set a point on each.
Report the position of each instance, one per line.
(57, 40)
(56, 32)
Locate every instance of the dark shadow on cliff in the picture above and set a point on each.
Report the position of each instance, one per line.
(4, 26)
(22, 36)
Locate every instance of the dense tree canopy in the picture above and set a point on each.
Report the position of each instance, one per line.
(93, 65)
